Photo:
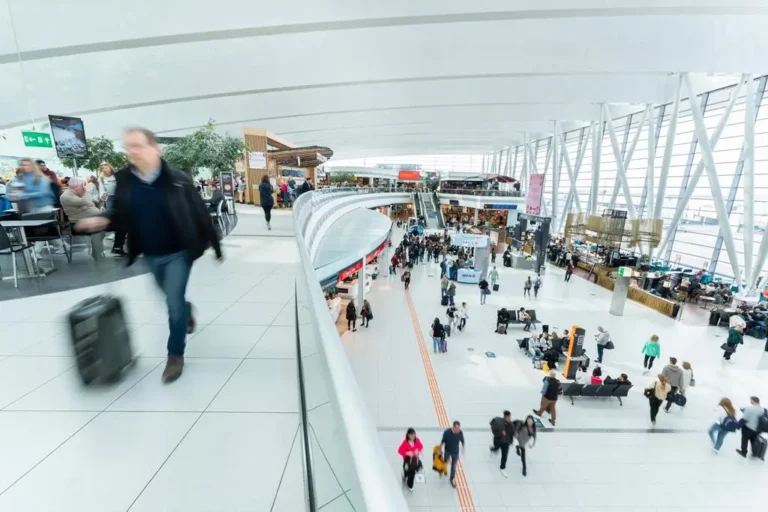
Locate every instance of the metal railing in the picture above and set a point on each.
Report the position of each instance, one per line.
(484, 193)
(338, 435)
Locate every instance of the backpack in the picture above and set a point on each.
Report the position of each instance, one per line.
(762, 423)
(537, 284)
(497, 426)
(730, 424)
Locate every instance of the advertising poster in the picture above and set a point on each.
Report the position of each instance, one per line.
(227, 184)
(257, 160)
(535, 190)
(69, 136)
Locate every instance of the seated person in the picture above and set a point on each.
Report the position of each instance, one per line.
(623, 380)
(502, 320)
(216, 198)
(525, 318)
(537, 346)
(78, 204)
(596, 376)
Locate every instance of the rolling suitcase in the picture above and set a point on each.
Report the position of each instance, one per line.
(100, 338)
(714, 316)
(496, 287)
(443, 345)
(444, 301)
(447, 328)
(759, 445)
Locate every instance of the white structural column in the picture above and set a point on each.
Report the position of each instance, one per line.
(555, 175)
(694, 179)
(524, 171)
(749, 177)
(482, 167)
(714, 182)
(571, 175)
(670, 146)
(514, 164)
(579, 159)
(628, 155)
(651, 158)
(597, 149)
(619, 164)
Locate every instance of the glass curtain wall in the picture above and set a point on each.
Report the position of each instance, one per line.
(696, 242)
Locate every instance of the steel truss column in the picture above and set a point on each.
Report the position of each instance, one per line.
(745, 170)
(763, 250)
(620, 165)
(555, 175)
(571, 176)
(649, 183)
(694, 179)
(514, 165)
(524, 171)
(581, 151)
(672, 231)
(714, 182)
(670, 146)
(626, 156)
(651, 158)
(597, 149)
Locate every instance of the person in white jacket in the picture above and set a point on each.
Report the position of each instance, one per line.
(463, 315)
(601, 338)
(726, 420)
(493, 275)
(687, 377)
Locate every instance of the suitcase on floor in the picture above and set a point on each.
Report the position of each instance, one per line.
(584, 365)
(444, 301)
(447, 328)
(714, 316)
(443, 345)
(496, 287)
(759, 446)
(100, 338)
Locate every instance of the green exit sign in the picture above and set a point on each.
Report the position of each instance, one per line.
(37, 140)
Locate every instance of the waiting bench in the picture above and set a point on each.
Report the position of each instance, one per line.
(617, 391)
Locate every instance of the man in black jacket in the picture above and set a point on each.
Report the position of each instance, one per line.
(502, 437)
(167, 221)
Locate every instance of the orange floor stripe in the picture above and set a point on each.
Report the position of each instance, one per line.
(462, 488)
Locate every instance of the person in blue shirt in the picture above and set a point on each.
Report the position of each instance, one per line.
(32, 189)
(452, 438)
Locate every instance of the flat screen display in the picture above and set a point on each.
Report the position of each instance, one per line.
(69, 136)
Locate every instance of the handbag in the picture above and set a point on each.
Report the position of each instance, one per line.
(693, 381)
(610, 346)
(648, 393)
(728, 348)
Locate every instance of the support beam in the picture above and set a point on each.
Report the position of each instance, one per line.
(524, 171)
(626, 155)
(571, 176)
(714, 182)
(670, 146)
(651, 157)
(644, 212)
(514, 165)
(597, 149)
(690, 189)
(619, 164)
(582, 149)
(749, 176)
(555, 175)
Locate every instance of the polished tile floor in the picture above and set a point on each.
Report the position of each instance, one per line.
(222, 438)
(601, 456)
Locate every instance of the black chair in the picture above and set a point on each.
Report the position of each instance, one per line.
(46, 233)
(572, 390)
(6, 247)
(605, 391)
(590, 389)
(621, 392)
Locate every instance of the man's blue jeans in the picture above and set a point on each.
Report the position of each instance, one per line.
(600, 349)
(172, 274)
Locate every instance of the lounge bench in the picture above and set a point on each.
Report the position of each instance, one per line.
(617, 391)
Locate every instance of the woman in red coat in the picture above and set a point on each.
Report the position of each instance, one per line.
(410, 450)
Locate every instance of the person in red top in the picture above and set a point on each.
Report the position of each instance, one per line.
(410, 450)
(393, 266)
(597, 376)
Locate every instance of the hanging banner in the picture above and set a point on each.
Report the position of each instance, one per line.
(535, 190)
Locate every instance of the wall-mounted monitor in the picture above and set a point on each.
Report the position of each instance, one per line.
(69, 136)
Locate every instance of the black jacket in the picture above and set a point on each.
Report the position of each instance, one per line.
(188, 216)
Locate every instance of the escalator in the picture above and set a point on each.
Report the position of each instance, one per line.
(440, 218)
(418, 208)
(430, 212)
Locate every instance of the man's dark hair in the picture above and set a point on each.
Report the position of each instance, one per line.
(38, 162)
(755, 399)
(149, 134)
(673, 360)
(507, 413)
(456, 424)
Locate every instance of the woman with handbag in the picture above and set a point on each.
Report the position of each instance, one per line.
(438, 334)
(726, 421)
(366, 313)
(410, 450)
(656, 393)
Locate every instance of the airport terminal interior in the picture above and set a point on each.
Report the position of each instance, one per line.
(418, 255)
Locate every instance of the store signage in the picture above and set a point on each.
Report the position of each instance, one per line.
(321, 158)
(453, 202)
(467, 240)
(257, 160)
(37, 140)
(535, 191)
(500, 207)
(378, 251)
(227, 184)
(490, 355)
(350, 270)
(329, 282)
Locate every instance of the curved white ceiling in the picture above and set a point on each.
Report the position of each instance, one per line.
(365, 77)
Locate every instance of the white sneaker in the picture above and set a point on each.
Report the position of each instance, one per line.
(504, 474)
